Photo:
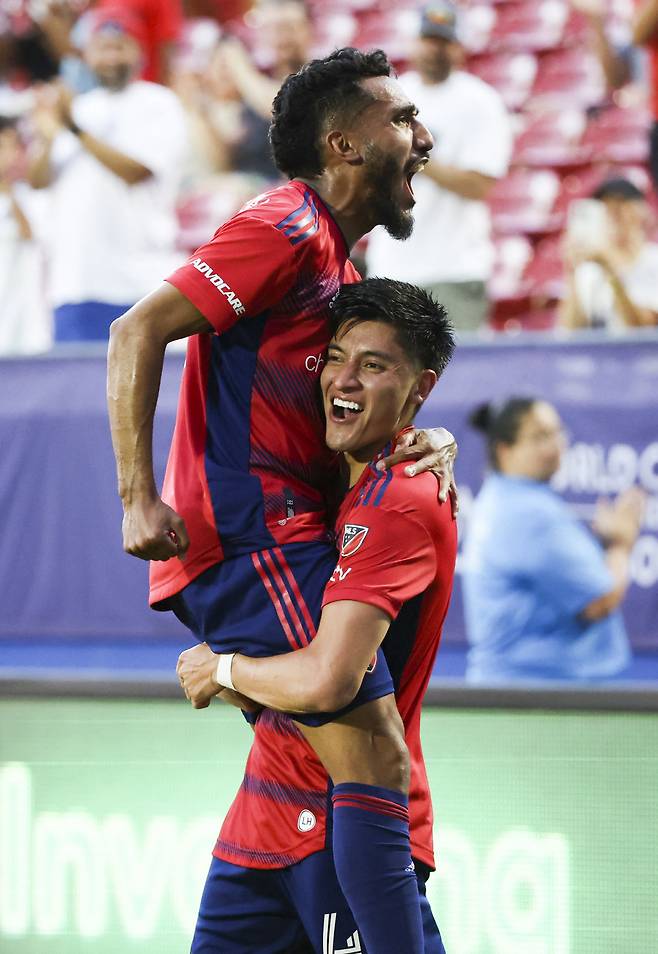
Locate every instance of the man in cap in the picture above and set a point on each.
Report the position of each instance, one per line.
(450, 252)
(110, 159)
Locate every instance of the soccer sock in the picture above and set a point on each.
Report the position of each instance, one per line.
(373, 862)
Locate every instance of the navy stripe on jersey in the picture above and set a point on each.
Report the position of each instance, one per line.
(258, 857)
(294, 597)
(278, 722)
(237, 495)
(285, 794)
(282, 601)
(401, 636)
(302, 223)
(375, 488)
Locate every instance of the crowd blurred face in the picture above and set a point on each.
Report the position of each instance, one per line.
(114, 57)
(435, 58)
(287, 33)
(628, 218)
(536, 453)
(371, 388)
(394, 145)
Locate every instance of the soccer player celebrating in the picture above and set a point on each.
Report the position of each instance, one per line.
(240, 538)
(392, 584)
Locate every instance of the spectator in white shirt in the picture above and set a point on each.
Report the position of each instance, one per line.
(450, 252)
(24, 328)
(612, 281)
(111, 159)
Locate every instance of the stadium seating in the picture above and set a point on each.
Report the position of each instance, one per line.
(523, 202)
(551, 139)
(534, 25)
(512, 74)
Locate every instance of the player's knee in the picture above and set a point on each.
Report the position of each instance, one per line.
(394, 763)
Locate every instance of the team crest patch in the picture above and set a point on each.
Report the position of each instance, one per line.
(353, 537)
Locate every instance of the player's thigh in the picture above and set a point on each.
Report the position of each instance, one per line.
(314, 891)
(244, 910)
(262, 603)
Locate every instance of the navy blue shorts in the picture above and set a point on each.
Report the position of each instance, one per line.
(268, 603)
(295, 910)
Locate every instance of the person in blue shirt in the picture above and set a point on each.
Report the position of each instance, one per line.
(541, 592)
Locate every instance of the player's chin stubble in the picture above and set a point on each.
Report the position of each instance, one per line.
(381, 178)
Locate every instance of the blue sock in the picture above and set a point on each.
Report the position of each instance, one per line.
(374, 867)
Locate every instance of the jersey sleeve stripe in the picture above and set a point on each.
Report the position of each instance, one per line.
(301, 224)
(293, 215)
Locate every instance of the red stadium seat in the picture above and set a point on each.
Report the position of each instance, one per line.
(530, 26)
(523, 202)
(513, 253)
(393, 30)
(512, 75)
(476, 26)
(618, 135)
(551, 139)
(544, 276)
(568, 78)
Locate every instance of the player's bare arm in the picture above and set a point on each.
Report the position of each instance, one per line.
(324, 676)
(151, 529)
(366, 745)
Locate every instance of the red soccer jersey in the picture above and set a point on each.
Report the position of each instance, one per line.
(398, 548)
(248, 467)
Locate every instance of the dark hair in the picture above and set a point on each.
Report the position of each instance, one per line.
(320, 90)
(500, 423)
(618, 189)
(8, 122)
(421, 323)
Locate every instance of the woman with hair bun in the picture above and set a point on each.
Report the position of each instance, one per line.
(541, 592)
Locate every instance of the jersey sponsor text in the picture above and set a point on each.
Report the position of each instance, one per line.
(220, 285)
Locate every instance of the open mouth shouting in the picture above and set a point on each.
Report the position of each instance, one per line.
(417, 165)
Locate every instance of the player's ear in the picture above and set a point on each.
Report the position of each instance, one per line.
(424, 385)
(342, 147)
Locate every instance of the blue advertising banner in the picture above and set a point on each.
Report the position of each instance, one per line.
(607, 395)
(62, 567)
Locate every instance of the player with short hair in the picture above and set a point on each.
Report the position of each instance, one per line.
(391, 585)
(249, 474)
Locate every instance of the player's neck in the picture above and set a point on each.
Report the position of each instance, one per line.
(356, 468)
(344, 200)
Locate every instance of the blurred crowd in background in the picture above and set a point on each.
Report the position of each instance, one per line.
(131, 129)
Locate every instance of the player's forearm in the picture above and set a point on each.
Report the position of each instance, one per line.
(294, 682)
(464, 182)
(127, 169)
(135, 359)
(645, 24)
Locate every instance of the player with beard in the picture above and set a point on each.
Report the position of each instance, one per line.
(239, 538)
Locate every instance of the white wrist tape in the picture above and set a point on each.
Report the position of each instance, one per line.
(224, 665)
